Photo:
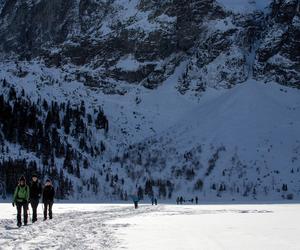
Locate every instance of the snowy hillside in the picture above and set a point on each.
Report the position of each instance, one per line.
(240, 143)
(163, 98)
(243, 142)
(245, 6)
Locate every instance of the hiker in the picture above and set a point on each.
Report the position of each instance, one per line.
(48, 199)
(135, 200)
(181, 200)
(196, 199)
(152, 200)
(35, 195)
(177, 200)
(155, 202)
(21, 198)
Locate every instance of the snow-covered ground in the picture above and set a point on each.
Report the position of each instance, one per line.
(244, 6)
(96, 226)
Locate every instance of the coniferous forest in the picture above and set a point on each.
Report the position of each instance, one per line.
(45, 129)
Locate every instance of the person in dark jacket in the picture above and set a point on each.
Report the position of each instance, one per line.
(135, 200)
(48, 199)
(21, 198)
(181, 200)
(35, 195)
(152, 200)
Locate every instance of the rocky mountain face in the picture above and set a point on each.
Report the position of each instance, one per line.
(137, 41)
(145, 96)
(278, 54)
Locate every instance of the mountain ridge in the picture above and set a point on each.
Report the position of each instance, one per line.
(177, 98)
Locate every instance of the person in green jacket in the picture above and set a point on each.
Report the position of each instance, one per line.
(21, 199)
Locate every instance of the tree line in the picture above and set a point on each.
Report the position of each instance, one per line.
(51, 131)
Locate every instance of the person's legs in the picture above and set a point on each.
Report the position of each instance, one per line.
(19, 211)
(25, 215)
(50, 210)
(45, 210)
(34, 205)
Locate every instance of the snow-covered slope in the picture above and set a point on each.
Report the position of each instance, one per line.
(240, 143)
(244, 142)
(184, 98)
(245, 6)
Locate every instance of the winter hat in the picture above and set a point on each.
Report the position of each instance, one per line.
(48, 180)
(22, 178)
(34, 175)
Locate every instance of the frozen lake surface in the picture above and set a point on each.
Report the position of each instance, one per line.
(114, 226)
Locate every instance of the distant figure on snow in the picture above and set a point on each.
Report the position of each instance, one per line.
(48, 199)
(177, 200)
(153, 201)
(135, 200)
(35, 195)
(21, 198)
(196, 199)
(181, 200)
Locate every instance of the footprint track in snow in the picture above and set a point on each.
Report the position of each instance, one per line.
(72, 230)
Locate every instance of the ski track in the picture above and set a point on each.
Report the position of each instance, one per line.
(84, 230)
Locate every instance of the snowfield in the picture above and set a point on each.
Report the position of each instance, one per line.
(245, 6)
(104, 226)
